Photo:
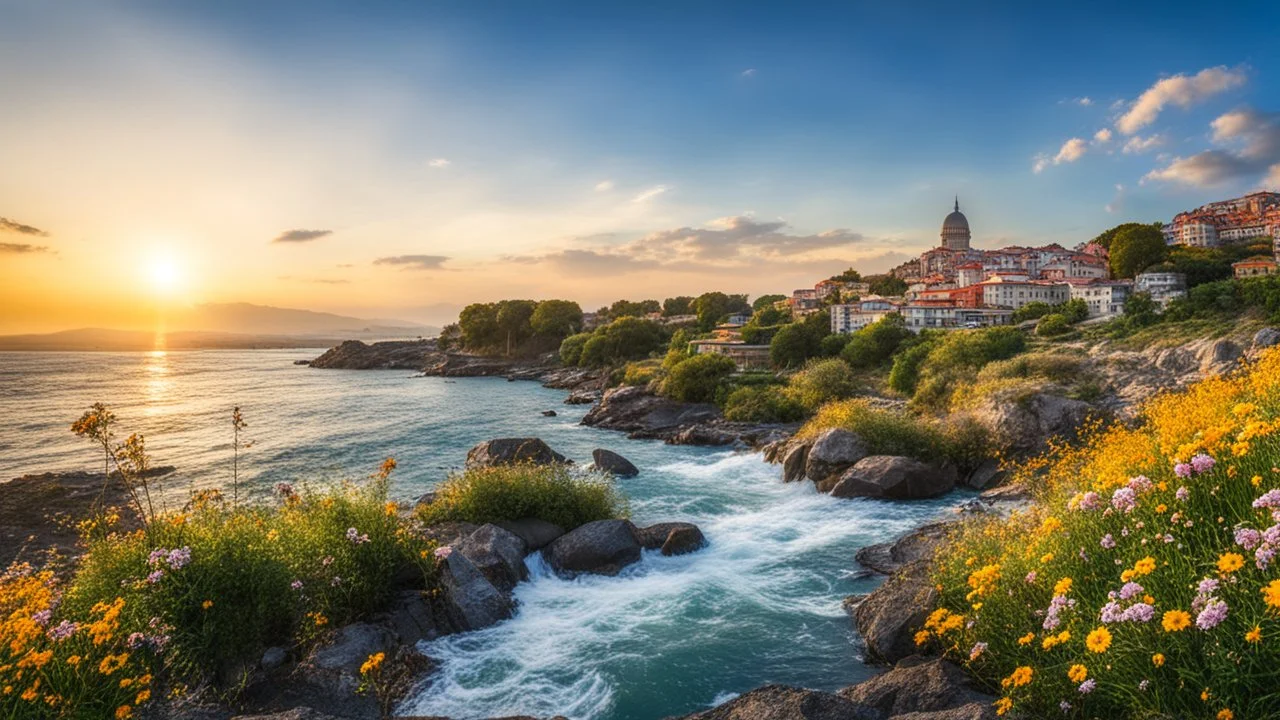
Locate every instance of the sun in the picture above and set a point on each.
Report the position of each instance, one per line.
(165, 274)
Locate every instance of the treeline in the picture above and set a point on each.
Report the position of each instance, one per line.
(513, 327)
(710, 308)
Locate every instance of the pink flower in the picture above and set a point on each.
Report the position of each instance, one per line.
(1182, 470)
(443, 552)
(1107, 541)
(1212, 615)
(1202, 463)
(1090, 501)
(1124, 499)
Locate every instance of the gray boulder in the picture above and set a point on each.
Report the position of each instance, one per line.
(1265, 338)
(782, 702)
(919, 544)
(832, 452)
(634, 409)
(793, 462)
(297, 713)
(602, 547)
(411, 618)
(889, 617)
(337, 662)
(704, 435)
(512, 451)
(274, 657)
(988, 474)
(920, 685)
(672, 538)
(613, 463)
(535, 533)
(472, 601)
(893, 477)
(497, 553)
(1025, 424)
(1219, 357)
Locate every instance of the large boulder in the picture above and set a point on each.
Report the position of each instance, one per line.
(920, 685)
(1026, 423)
(832, 452)
(634, 409)
(613, 463)
(672, 538)
(535, 533)
(919, 544)
(602, 547)
(793, 462)
(893, 477)
(1265, 338)
(782, 702)
(889, 617)
(512, 451)
(497, 553)
(1219, 356)
(704, 435)
(337, 662)
(472, 601)
(412, 618)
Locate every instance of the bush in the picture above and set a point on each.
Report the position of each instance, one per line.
(571, 348)
(768, 403)
(875, 344)
(1053, 325)
(1032, 311)
(820, 382)
(1145, 568)
(792, 346)
(956, 357)
(1057, 367)
(832, 345)
(553, 493)
(641, 373)
(627, 338)
(886, 432)
(697, 378)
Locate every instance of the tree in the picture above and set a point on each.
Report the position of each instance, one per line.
(766, 301)
(449, 338)
(1106, 237)
(849, 275)
(697, 378)
(479, 325)
(711, 308)
(571, 348)
(1140, 311)
(822, 381)
(791, 346)
(1134, 249)
(513, 321)
(556, 318)
(905, 375)
(1031, 311)
(1052, 325)
(678, 305)
(626, 338)
(886, 285)
(873, 345)
(1074, 310)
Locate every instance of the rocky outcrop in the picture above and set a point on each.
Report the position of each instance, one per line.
(472, 600)
(535, 533)
(831, 453)
(781, 702)
(1025, 423)
(889, 617)
(920, 687)
(672, 538)
(794, 461)
(397, 354)
(497, 553)
(613, 463)
(603, 547)
(467, 365)
(919, 544)
(893, 477)
(639, 412)
(1263, 339)
(512, 451)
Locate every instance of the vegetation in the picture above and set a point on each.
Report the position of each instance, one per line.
(885, 285)
(514, 327)
(1142, 583)
(874, 345)
(1135, 248)
(696, 379)
(769, 403)
(553, 493)
(931, 370)
(796, 343)
(627, 338)
(1053, 325)
(1105, 238)
(893, 432)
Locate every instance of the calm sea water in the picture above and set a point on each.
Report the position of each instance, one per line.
(668, 636)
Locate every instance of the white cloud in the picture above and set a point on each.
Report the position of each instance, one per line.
(749, 73)
(1041, 162)
(1071, 151)
(1102, 136)
(1181, 90)
(1085, 101)
(649, 194)
(604, 186)
(439, 163)
(1138, 144)
(1250, 143)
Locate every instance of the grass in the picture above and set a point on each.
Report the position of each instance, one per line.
(1141, 583)
(554, 493)
(957, 440)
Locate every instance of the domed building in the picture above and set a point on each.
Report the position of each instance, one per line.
(955, 230)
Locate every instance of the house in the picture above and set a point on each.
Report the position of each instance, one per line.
(1259, 266)
(1105, 298)
(852, 317)
(942, 314)
(1163, 287)
(746, 357)
(1012, 291)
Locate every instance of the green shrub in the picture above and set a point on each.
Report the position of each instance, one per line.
(571, 348)
(905, 374)
(553, 493)
(641, 373)
(820, 382)
(875, 344)
(832, 345)
(1058, 367)
(1032, 311)
(697, 378)
(769, 403)
(1053, 325)
(886, 432)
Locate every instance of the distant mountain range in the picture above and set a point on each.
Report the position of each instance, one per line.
(228, 326)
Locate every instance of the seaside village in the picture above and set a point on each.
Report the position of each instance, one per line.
(956, 285)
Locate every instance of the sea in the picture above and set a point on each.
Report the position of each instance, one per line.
(668, 636)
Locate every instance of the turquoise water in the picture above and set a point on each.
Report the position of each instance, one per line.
(668, 636)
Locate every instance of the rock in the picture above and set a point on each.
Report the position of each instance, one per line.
(653, 536)
(919, 685)
(1265, 338)
(425, 498)
(1025, 424)
(794, 461)
(919, 544)
(512, 451)
(411, 619)
(449, 533)
(988, 474)
(395, 354)
(972, 711)
(635, 409)
(890, 616)
(273, 658)
(832, 452)
(613, 463)
(851, 602)
(895, 478)
(781, 702)
(548, 413)
(337, 663)
(582, 397)
(471, 600)
(702, 435)
(298, 713)
(673, 538)
(1219, 357)
(535, 533)
(497, 553)
(602, 547)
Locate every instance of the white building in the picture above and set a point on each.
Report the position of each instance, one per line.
(1162, 286)
(1004, 292)
(939, 315)
(1105, 298)
(1199, 234)
(855, 316)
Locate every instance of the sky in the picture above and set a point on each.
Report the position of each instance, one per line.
(403, 159)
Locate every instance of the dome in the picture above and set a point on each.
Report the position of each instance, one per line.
(955, 230)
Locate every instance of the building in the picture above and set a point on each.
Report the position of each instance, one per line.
(1163, 287)
(1198, 234)
(1105, 298)
(746, 357)
(942, 314)
(852, 317)
(955, 230)
(1082, 266)
(1237, 220)
(1012, 293)
(1254, 267)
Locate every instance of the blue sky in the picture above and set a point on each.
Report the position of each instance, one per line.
(539, 143)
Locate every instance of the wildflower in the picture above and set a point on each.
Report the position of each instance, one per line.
(977, 649)
(1263, 556)
(112, 663)
(124, 712)
(1087, 686)
(1145, 566)
(179, 558)
(1177, 620)
(390, 509)
(206, 604)
(1140, 612)
(922, 637)
(355, 537)
(1027, 639)
(1230, 562)
(1003, 705)
(1019, 677)
(1078, 673)
(1098, 640)
(284, 489)
(1130, 590)
(1182, 470)
(64, 630)
(1212, 615)
(296, 584)
(1108, 542)
(142, 697)
(155, 577)
(1202, 463)
(1207, 586)
(1144, 685)
(1182, 493)
(443, 552)
(1090, 501)
(1065, 707)
(1062, 587)
(1030, 578)
(371, 664)
(1158, 658)
(1124, 499)
(1254, 635)
(1248, 538)
(73, 660)
(1225, 714)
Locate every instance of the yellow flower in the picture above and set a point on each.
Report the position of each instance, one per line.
(1099, 640)
(1078, 673)
(1204, 695)
(922, 637)
(1230, 562)
(1254, 635)
(390, 509)
(30, 694)
(1158, 659)
(1145, 566)
(74, 660)
(1161, 508)
(112, 663)
(206, 604)
(142, 697)
(1027, 639)
(124, 712)
(1046, 558)
(1127, 575)
(273, 535)
(1003, 705)
(1062, 587)
(372, 663)
(1225, 714)
(1256, 480)
(1271, 594)
(1175, 620)
(1019, 677)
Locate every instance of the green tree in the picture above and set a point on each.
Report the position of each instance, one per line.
(711, 308)
(627, 338)
(849, 275)
(627, 308)
(822, 381)
(698, 378)
(1134, 249)
(766, 301)
(513, 321)
(1106, 237)
(905, 374)
(792, 346)
(885, 285)
(1031, 311)
(571, 348)
(1074, 310)
(450, 337)
(1140, 311)
(875, 344)
(678, 305)
(556, 318)
(479, 326)
(1052, 325)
